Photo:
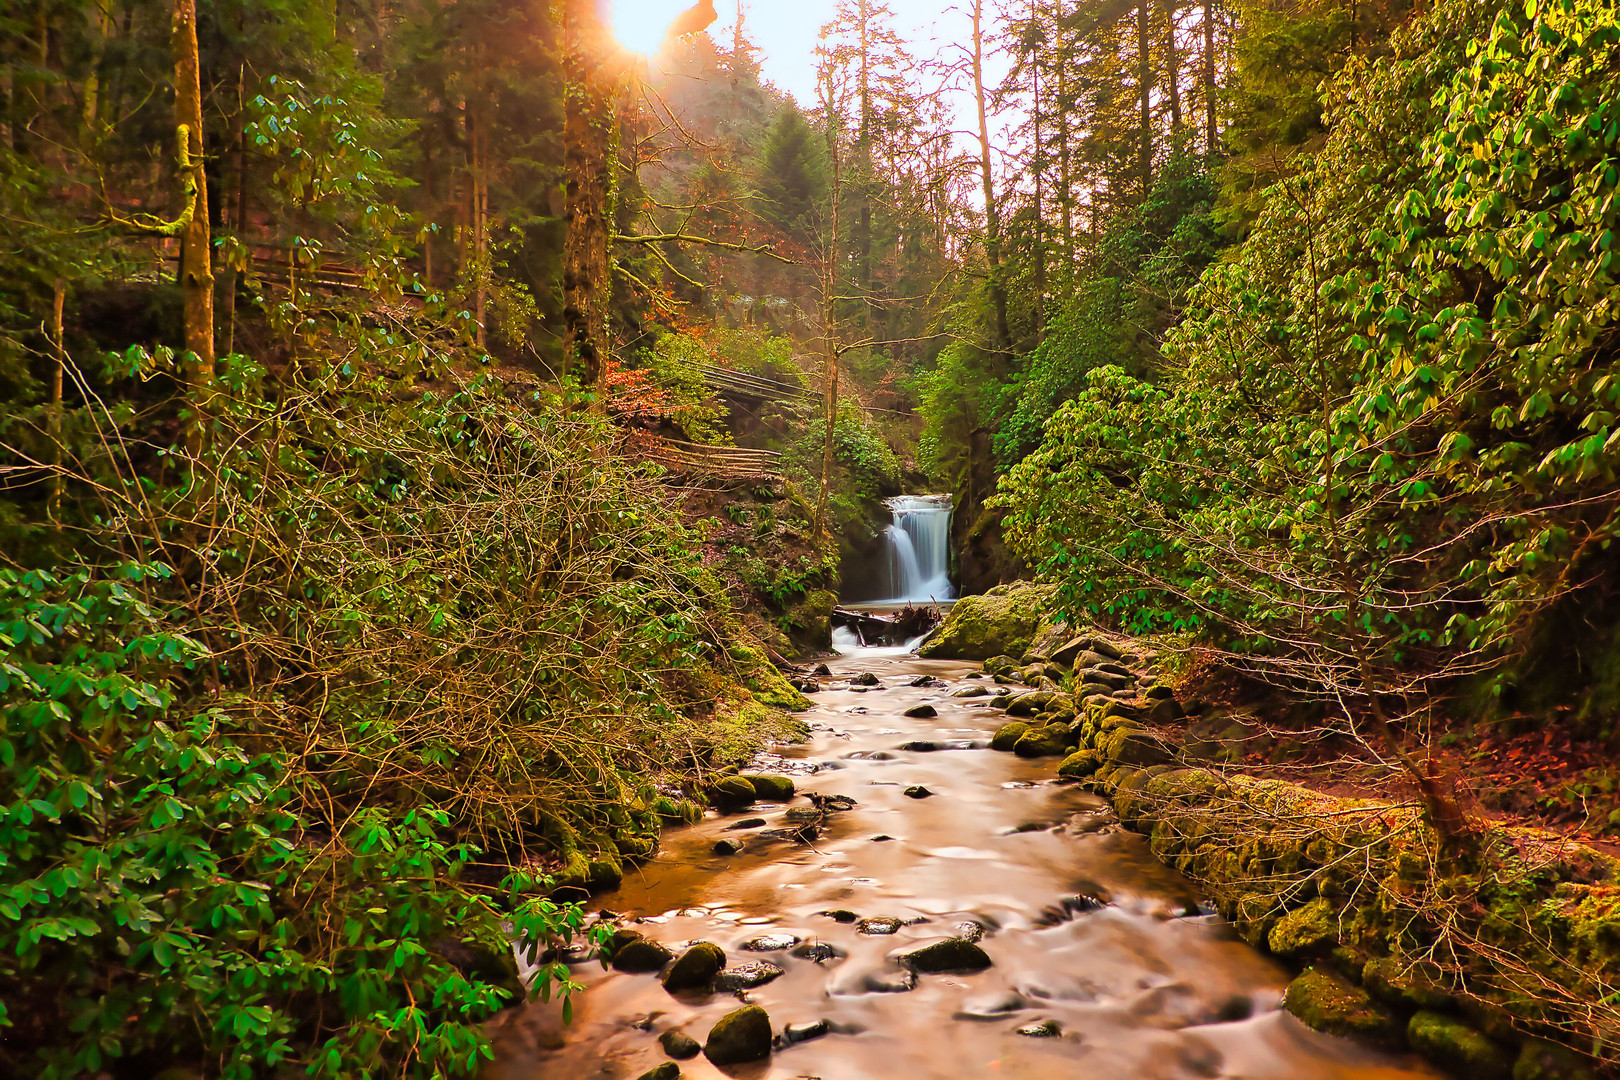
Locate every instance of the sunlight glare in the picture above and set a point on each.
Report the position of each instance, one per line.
(639, 25)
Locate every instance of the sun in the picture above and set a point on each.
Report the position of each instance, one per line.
(639, 25)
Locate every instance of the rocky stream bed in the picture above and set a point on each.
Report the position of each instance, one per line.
(922, 907)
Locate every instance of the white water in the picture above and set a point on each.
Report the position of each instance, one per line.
(847, 643)
(919, 548)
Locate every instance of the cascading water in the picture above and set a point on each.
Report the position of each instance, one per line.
(919, 548)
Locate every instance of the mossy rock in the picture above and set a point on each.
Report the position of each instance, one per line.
(1001, 622)
(696, 968)
(1007, 736)
(1456, 1047)
(1037, 702)
(1080, 764)
(1000, 665)
(641, 956)
(667, 1071)
(1415, 986)
(732, 793)
(1040, 742)
(1328, 1003)
(682, 811)
(1305, 931)
(1540, 1060)
(1135, 746)
(740, 1036)
(769, 787)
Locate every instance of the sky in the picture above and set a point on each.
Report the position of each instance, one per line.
(785, 32)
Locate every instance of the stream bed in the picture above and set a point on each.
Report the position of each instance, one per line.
(1104, 963)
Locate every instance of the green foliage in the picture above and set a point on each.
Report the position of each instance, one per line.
(673, 366)
(159, 897)
(793, 173)
(1391, 439)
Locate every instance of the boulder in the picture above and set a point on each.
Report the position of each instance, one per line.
(945, 956)
(866, 678)
(770, 787)
(727, 846)
(1072, 651)
(679, 1045)
(1412, 986)
(1041, 742)
(740, 1036)
(641, 956)
(1001, 665)
(1164, 711)
(667, 1071)
(1305, 931)
(1001, 622)
(917, 791)
(879, 925)
(1548, 1061)
(921, 712)
(1135, 746)
(1007, 736)
(1080, 764)
(1456, 1047)
(1327, 1003)
(732, 793)
(1098, 677)
(1030, 704)
(696, 968)
(971, 692)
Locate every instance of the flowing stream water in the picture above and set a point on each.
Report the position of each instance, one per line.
(1144, 987)
(919, 548)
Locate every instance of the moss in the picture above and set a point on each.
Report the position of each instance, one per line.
(696, 967)
(732, 793)
(1080, 764)
(1007, 736)
(1415, 986)
(1548, 1061)
(1002, 622)
(1456, 1047)
(1305, 931)
(1134, 746)
(769, 787)
(1040, 742)
(1328, 1003)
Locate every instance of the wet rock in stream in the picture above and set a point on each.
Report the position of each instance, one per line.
(727, 847)
(641, 956)
(921, 712)
(667, 1071)
(771, 943)
(747, 823)
(866, 678)
(946, 956)
(917, 791)
(679, 1045)
(995, 1006)
(696, 968)
(818, 951)
(878, 925)
(740, 1036)
(746, 976)
(1042, 1029)
(798, 1033)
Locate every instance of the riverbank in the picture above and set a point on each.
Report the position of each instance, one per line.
(1490, 958)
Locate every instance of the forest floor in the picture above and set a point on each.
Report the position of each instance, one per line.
(1545, 777)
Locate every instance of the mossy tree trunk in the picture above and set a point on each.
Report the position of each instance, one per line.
(196, 266)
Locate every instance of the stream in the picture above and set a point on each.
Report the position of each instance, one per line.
(1104, 964)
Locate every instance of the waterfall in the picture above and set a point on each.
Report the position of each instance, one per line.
(919, 548)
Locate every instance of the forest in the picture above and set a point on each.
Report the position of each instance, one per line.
(436, 443)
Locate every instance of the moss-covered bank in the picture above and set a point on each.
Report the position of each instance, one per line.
(1490, 959)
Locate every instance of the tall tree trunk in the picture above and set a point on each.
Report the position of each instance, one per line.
(829, 335)
(992, 214)
(1065, 175)
(1210, 133)
(53, 504)
(196, 263)
(863, 163)
(1144, 81)
(588, 182)
(1038, 164)
(1172, 68)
